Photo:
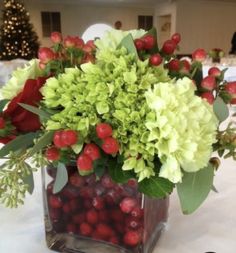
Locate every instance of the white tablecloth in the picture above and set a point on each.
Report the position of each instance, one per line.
(210, 229)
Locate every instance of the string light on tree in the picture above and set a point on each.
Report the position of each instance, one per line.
(17, 37)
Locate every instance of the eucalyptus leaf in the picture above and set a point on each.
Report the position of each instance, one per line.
(3, 104)
(29, 180)
(42, 142)
(156, 187)
(213, 188)
(61, 178)
(220, 109)
(19, 143)
(195, 188)
(128, 43)
(42, 114)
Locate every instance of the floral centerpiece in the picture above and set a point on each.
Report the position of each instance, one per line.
(121, 111)
(216, 54)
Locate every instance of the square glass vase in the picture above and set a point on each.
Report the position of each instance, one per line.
(100, 216)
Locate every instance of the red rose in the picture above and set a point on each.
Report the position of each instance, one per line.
(23, 120)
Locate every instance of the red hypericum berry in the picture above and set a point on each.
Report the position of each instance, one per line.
(168, 47)
(79, 218)
(128, 204)
(155, 59)
(85, 229)
(88, 58)
(103, 130)
(92, 150)
(149, 41)
(176, 37)
(98, 203)
(79, 43)
(76, 180)
(230, 87)
(84, 164)
(55, 202)
(45, 55)
(137, 212)
(52, 154)
(185, 66)
(71, 228)
(214, 71)
(92, 216)
(199, 55)
(91, 44)
(57, 139)
(104, 230)
(208, 96)
(132, 238)
(56, 37)
(110, 145)
(2, 123)
(87, 49)
(174, 65)
(69, 137)
(139, 44)
(208, 83)
(69, 42)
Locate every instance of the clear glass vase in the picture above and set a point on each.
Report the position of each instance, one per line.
(100, 216)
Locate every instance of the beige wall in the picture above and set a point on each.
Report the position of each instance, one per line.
(205, 24)
(75, 18)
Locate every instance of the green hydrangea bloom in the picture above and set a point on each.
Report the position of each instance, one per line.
(19, 77)
(183, 128)
(112, 91)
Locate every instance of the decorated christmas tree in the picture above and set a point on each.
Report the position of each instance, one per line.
(17, 36)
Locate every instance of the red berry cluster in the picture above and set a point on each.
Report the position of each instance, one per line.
(61, 139)
(91, 151)
(102, 210)
(70, 51)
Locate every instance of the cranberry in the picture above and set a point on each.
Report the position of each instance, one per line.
(107, 182)
(86, 192)
(92, 151)
(137, 212)
(85, 229)
(132, 222)
(103, 130)
(76, 180)
(110, 145)
(88, 203)
(114, 239)
(55, 201)
(74, 204)
(103, 215)
(79, 218)
(66, 208)
(70, 192)
(92, 216)
(132, 238)
(55, 214)
(98, 203)
(128, 204)
(104, 230)
(71, 228)
(117, 216)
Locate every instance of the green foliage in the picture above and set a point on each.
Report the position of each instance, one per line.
(156, 187)
(220, 109)
(3, 103)
(128, 43)
(195, 188)
(61, 178)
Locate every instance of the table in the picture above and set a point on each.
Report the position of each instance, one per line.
(212, 228)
